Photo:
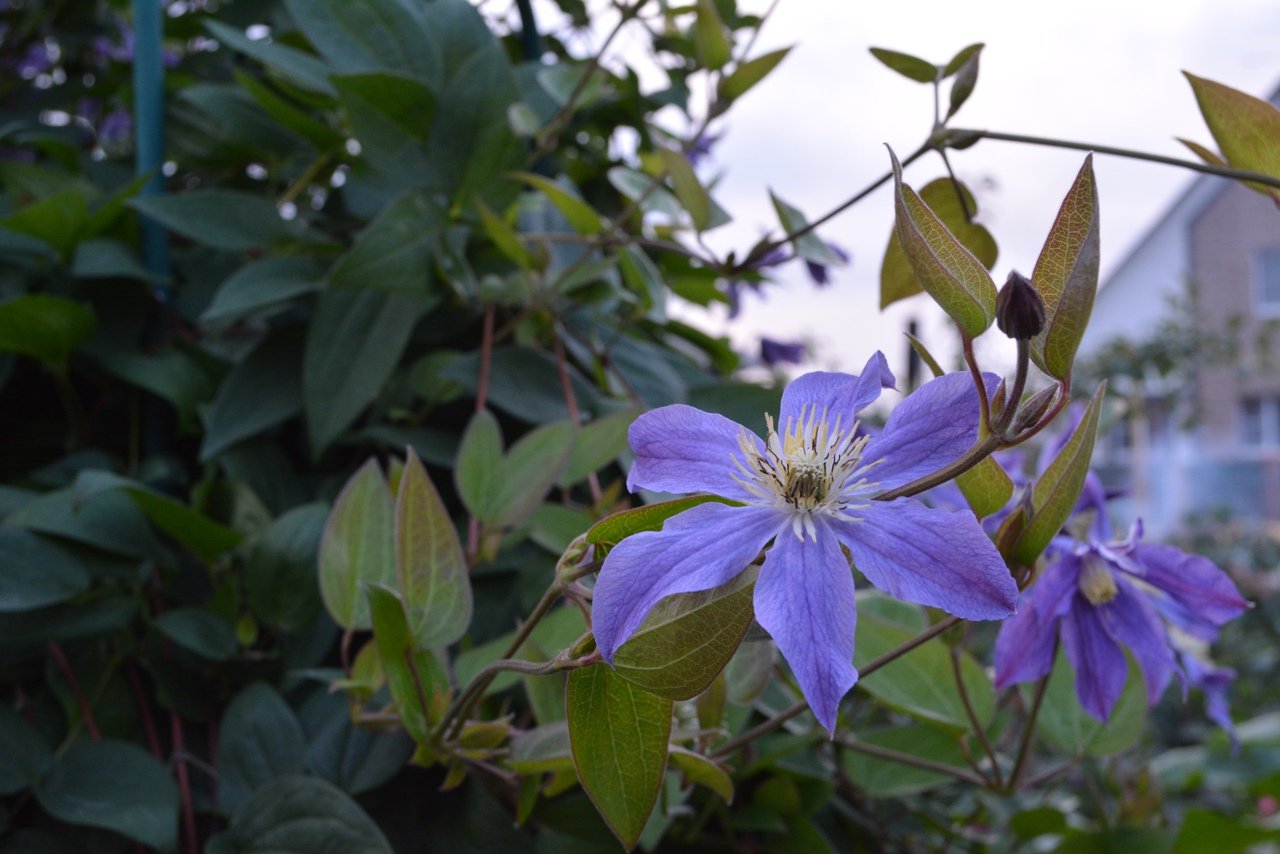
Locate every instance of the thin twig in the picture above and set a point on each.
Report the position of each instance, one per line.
(907, 759)
(73, 684)
(184, 782)
(571, 404)
(1024, 747)
(144, 710)
(974, 723)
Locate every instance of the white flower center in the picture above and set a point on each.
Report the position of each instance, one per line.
(814, 467)
(1096, 581)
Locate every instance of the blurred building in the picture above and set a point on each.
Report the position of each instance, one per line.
(1189, 327)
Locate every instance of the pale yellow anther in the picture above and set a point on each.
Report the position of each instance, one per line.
(1096, 581)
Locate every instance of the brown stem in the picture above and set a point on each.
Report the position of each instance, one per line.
(914, 761)
(571, 404)
(73, 684)
(968, 460)
(922, 638)
(1024, 747)
(184, 782)
(144, 710)
(979, 383)
(974, 723)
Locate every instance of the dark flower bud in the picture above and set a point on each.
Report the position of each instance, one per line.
(1034, 408)
(1019, 308)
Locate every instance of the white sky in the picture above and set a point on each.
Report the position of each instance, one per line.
(1104, 71)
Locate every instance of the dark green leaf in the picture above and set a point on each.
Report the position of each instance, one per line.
(370, 35)
(262, 391)
(523, 382)
(263, 284)
(222, 219)
(108, 259)
(687, 639)
(689, 190)
(395, 252)
(357, 547)
(259, 740)
(300, 814)
(907, 65)
(391, 115)
(1066, 276)
(701, 770)
(203, 632)
(36, 572)
(612, 530)
(418, 685)
(1203, 830)
(44, 327)
(542, 749)
(299, 68)
(618, 734)
(597, 444)
(430, 566)
(116, 785)
(1070, 728)
(355, 340)
(966, 79)
(57, 220)
(354, 759)
(279, 576)
(882, 778)
(809, 246)
(24, 754)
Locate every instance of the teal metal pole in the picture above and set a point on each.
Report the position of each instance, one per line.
(148, 110)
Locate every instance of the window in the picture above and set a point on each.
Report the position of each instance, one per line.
(1260, 421)
(1267, 285)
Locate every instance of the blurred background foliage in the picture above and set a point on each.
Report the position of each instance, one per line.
(381, 212)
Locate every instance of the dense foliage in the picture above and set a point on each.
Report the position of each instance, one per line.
(292, 497)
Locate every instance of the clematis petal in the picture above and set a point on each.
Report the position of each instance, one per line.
(930, 428)
(1131, 619)
(701, 548)
(804, 599)
(1195, 583)
(930, 556)
(839, 394)
(1028, 640)
(683, 449)
(1101, 668)
(1213, 683)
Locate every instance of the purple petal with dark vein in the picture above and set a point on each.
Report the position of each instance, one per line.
(930, 556)
(1194, 582)
(839, 394)
(1027, 641)
(804, 599)
(699, 549)
(1101, 668)
(1131, 619)
(683, 449)
(932, 427)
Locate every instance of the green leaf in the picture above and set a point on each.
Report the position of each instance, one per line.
(749, 672)
(524, 382)
(1056, 491)
(174, 373)
(300, 814)
(1206, 154)
(299, 68)
(322, 137)
(1204, 830)
(986, 486)
(108, 259)
(701, 770)
(354, 342)
(643, 278)
(391, 115)
(581, 216)
(597, 444)
(24, 754)
(966, 72)
(430, 567)
(263, 284)
(396, 251)
(1070, 728)
(613, 529)
(1037, 821)
(543, 749)
(115, 785)
(618, 734)
(259, 740)
(36, 572)
(749, 73)
(355, 36)
(907, 65)
(709, 37)
(222, 219)
(355, 759)
(922, 682)
(203, 632)
(557, 631)
(810, 247)
(57, 220)
(945, 269)
(262, 391)
(1247, 129)
(529, 470)
(418, 685)
(279, 577)
(639, 188)
(687, 639)
(478, 470)
(1066, 276)
(689, 190)
(44, 327)
(357, 547)
(111, 522)
(882, 778)
(504, 237)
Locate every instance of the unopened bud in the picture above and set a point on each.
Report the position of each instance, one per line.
(1034, 408)
(1019, 308)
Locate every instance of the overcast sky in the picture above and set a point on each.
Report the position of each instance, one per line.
(1103, 71)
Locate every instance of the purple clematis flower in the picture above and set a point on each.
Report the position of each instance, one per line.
(807, 488)
(1101, 594)
(778, 352)
(820, 273)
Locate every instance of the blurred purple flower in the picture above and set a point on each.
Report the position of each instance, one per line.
(116, 128)
(807, 488)
(122, 50)
(777, 352)
(701, 147)
(820, 273)
(734, 287)
(36, 60)
(1100, 595)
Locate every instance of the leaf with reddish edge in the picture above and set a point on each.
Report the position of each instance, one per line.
(618, 734)
(430, 566)
(1066, 276)
(947, 271)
